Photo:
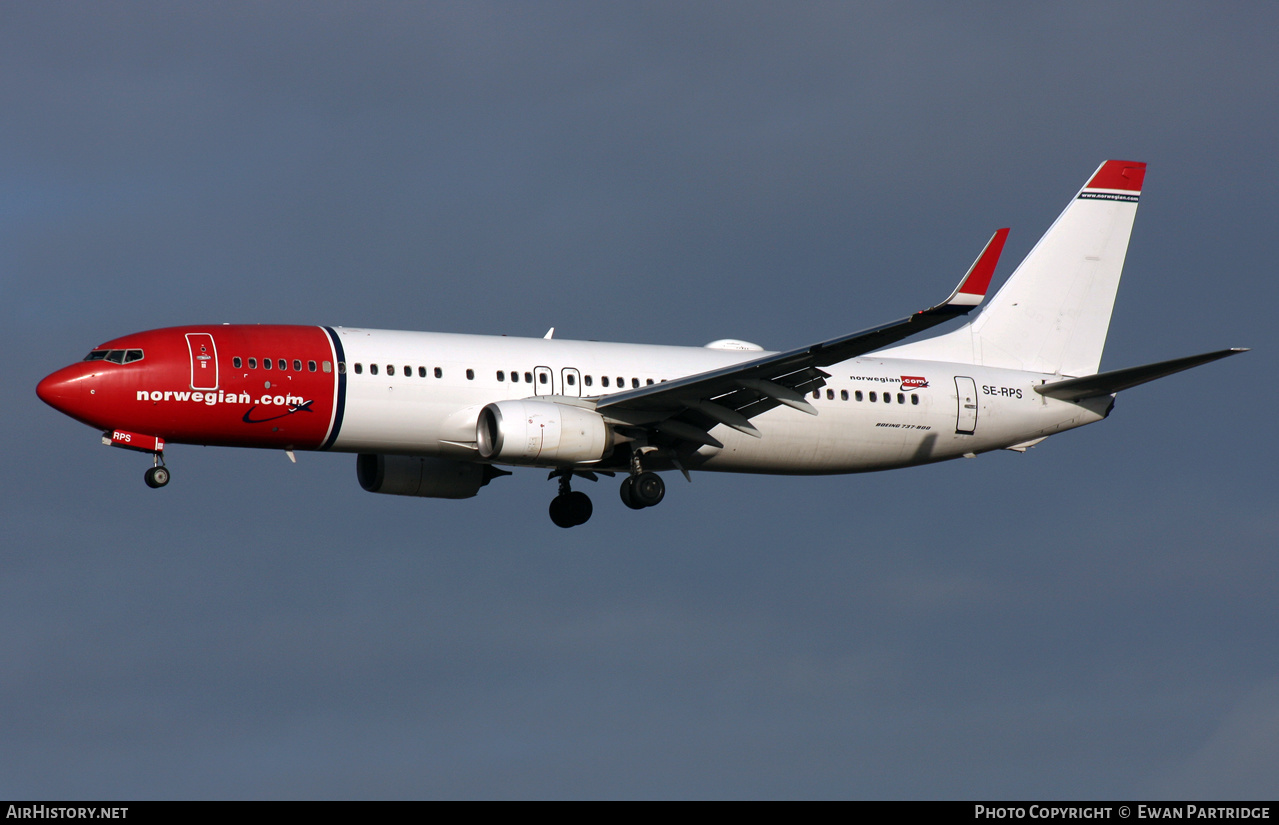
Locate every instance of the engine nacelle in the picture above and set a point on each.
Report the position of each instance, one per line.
(542, 433)
(402, 475)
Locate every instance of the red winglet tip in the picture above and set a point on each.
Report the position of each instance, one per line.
(978, 281)
(1124, 175)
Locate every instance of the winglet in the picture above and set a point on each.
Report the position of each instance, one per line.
(972, 289)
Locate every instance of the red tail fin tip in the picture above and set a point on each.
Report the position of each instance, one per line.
(1124, 175)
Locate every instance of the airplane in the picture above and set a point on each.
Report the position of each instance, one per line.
(439, 415)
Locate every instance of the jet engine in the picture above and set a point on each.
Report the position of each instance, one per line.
(541, 433)
(403, 475)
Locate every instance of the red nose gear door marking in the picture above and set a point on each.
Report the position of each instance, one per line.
(134, 441)
(204, 361)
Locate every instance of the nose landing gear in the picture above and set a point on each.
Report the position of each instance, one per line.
(156, 477)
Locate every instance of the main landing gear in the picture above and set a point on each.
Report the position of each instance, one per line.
(639, 490)
(643, 490)
(569, 508)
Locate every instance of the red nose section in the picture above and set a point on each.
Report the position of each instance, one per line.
(246, 386)
(59, 390)
(64, 391)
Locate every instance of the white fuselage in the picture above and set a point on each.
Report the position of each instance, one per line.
(875, 412)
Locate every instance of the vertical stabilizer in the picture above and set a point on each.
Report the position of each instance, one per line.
(1053, 313)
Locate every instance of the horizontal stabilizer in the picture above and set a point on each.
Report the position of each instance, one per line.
(1105, 383)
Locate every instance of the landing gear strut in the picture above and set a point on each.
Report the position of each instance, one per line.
(569, 508)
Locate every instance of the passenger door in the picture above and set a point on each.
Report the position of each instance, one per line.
(966, 398)
(204, 361)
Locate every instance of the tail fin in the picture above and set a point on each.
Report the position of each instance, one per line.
(1053, 313)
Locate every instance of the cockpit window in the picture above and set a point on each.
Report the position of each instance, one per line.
(115, 356)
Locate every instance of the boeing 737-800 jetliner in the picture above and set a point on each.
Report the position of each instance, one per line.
(438, 415)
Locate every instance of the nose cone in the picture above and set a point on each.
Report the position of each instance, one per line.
(65, 391)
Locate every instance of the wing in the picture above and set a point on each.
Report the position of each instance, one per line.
(685, 409)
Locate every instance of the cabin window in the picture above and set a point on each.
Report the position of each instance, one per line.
(266, 363)
(901, 398)
(873, 397)
(604, 380)
(888, 398)
(914, 399)
(372, 369)
(297, 365)
(830, 395)
(542, 377)
(587, 379)
(843, 395)
(236, 362)
(571, 379)
(421, 372)
(310, 366)
(649, 381)
(817, 393)
(501, 376)
(390, 369)
(439, 373)
(470, 375)
(528, 378)
(253, 363)
(359, 368)
(635, 383)
(284, 365)
(857, 395)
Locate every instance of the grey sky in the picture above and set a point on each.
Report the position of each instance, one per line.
(1095, 618)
